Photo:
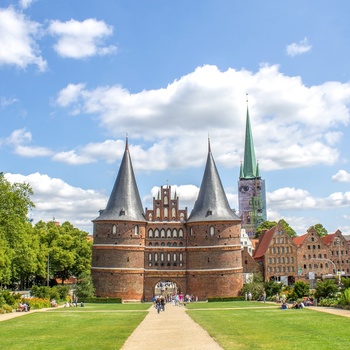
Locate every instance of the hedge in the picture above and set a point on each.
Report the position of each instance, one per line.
(214, 299)
(96, 300)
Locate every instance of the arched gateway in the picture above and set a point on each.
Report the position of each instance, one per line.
(133, 250)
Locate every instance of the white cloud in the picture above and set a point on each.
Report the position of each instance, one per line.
(5, 102)
(55, 198)
(81, 39)
(25, 3)
(172, 120)
(341, 176)
(298, 48)
(18, 140)
(17, 40)
(70, 157)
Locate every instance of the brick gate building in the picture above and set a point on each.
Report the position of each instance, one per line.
(134, 249)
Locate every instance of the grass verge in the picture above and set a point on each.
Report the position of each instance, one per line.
(272, 328)
(95, 326)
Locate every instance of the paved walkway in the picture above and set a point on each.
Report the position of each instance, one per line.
(172, 327)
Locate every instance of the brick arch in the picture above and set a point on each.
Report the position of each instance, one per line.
(150, 284)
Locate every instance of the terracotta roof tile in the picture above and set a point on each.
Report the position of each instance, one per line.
(264, 243)
(300, 239)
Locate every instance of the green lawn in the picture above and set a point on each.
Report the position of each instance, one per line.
(271, 328)
(98, 326)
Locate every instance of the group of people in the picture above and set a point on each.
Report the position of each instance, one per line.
(159, 303)
(23, 307)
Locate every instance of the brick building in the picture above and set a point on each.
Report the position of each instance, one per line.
(277, 254)
(312, 255)
(134, 250)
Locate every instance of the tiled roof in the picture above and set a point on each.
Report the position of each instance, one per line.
(327, 239)
(299, 239)
(264, 243)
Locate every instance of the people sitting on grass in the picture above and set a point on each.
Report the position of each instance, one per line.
(284, 306)
(53, 303)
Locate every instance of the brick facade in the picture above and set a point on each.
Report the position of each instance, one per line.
(130, 258)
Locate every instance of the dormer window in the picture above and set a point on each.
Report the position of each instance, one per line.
(122, 212)
(209, 212)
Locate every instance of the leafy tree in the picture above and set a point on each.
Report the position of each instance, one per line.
(301, 289)
(15, 203)
(272, 288)
(265, 225)
(320, 230)
(85, 288)
(256, 286)
(326, 289)
(287, 229)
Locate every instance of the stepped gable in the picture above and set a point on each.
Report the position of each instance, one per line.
(124, 203)
(212, 203)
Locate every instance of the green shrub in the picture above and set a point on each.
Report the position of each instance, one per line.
(9, 298)
(38, 303)
(329, 302)
(345, 298)
(42, 292)
(63, 291)
(7, 308)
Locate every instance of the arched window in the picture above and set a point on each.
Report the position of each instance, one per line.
(150, 257)
(181, 233)
(173, 212)
(174, 232)
(114, 229)
(174, 244)
(174, 257)
(181, 257)
(168, 257)
(162, 233)
(166, 200)
(166, 213)
(162, 257)
(212, 230)
(168, 233)
(162, 244)
(182, 217)
(136, 230)
(150, 217)
(158, 213)
(156, 233)
(150, 233)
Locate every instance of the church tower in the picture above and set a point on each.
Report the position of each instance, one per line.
(251, 188)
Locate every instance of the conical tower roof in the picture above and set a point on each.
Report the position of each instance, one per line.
(124, 203)
(249, 162)
(212, 203)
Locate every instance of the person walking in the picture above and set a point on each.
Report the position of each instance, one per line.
(158, 306)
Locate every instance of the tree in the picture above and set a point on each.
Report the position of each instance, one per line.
(320, 230)
(256, 286)
(15, 203)
(272, 288)
(326, 289)
(301, 289)
(84, 288)
(265, 225)
(287, 229)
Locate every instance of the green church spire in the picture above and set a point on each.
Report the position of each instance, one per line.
(249, 162)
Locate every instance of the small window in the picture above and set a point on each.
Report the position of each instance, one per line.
(212, 230)
(114, 229)
(150, 233)
(136, 230)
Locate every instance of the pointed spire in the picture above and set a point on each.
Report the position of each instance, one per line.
(127, 142)
(209, 149)
(124, 203)
(241, 174)
(249, 162)
(257, 170)
(211, 203)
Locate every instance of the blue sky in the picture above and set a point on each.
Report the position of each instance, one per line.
(77, 76)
